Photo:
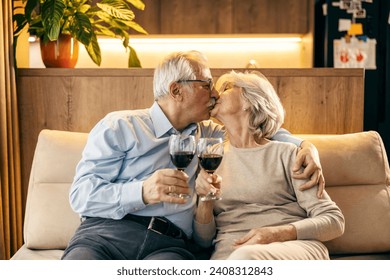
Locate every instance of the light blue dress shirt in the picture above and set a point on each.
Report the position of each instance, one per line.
(124, 149)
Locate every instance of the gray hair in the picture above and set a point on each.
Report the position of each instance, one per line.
(266, 112)
(178, 66)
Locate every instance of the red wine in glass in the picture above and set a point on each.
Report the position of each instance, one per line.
(182, 150)
(210, 153)
(182, 159)
(210, 162)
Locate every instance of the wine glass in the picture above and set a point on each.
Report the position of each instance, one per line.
(210, 153)
(182, 150)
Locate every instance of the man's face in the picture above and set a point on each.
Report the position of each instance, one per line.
(199, 98)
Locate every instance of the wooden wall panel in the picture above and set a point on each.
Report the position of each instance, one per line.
(225, 16)
(97, 97)
(196, 17)
(316, 100)
(149, 18)
(271, 16)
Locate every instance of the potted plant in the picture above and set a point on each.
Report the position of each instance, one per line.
(82, 20)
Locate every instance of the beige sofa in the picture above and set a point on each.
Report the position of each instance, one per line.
(355, 166)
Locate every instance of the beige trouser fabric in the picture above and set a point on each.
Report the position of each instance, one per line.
(290, 250)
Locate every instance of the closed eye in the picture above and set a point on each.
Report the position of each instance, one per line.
(226, 87)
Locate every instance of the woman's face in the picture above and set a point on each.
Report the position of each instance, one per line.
(230, 102)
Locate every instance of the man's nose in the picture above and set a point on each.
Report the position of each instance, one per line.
(214, 93)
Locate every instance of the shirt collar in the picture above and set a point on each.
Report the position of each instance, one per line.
(162, 125)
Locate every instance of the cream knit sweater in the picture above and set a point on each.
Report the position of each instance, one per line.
(258, 190)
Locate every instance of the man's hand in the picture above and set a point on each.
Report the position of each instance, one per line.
(309, 159)
(163, 182)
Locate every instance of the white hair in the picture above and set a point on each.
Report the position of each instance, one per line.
(178, 66)
(265, 109)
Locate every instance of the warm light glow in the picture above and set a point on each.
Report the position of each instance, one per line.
(208, 45)
(155, 44)
(222, 51)
(32, 39)
(208, 40)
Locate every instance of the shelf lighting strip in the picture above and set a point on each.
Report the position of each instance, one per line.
(210, 40)
(201, 40)
(208, 44)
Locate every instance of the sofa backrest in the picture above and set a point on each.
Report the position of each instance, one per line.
(357, 177)
(49, 220)
(355, 167)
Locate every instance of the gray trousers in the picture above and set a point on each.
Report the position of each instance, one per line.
(107, 239)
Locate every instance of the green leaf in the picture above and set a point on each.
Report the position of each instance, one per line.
(36, 28)
(52, 13)
(136, 27)
(124, 25)
(137, 3)
(93, 50)
(125, 42)
(84, 8)
(103, 30)
(103, 16)
(28, 9)
(133, 59)
(117, 9)
(81, 28)
(19, 22)
(118, 23)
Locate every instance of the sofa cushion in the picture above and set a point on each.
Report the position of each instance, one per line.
(25, 253)
(49, 221)
(352, 159)
(357, 178)
(366, 209)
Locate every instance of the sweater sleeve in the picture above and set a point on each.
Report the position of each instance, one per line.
(204, 234)
(324, 221)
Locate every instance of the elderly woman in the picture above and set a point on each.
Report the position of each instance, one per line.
(263, 214)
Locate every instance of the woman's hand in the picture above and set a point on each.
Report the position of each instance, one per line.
(206, 183)
(266, 235)
(309, 159)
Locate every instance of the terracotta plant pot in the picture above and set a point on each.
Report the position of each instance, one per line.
(62, 53)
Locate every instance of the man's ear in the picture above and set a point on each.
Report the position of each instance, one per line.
(174, 90)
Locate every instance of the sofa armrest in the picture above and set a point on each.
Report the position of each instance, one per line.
(49, 220)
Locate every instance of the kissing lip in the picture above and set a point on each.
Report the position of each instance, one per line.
(212, 103)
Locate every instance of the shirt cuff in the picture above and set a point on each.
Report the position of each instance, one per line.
(131, 197)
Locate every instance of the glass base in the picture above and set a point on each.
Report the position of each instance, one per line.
(180, 195)
(209, 197)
